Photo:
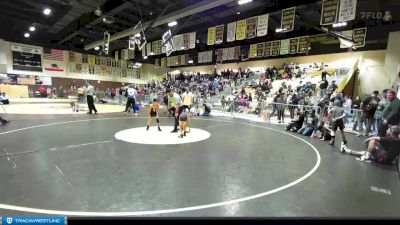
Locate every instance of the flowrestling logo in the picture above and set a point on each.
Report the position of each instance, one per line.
(33, 220)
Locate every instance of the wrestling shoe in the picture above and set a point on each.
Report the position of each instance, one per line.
(343, 147)
(174, 131)
(332, 143)
(159, 129)
(149, 127)
(184, 134)
(364, 159)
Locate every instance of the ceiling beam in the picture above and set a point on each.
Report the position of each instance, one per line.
(194, 9)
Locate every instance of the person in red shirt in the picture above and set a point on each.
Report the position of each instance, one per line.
(42, 91)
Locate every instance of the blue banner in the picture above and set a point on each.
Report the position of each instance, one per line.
(14, 220)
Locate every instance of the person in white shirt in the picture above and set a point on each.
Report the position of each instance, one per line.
(347, 109)
(4, 99)
(89, 96)
(131, 100)
(175, 102)
(187, 98)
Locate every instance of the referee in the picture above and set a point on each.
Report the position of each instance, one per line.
(174, 101)
(89, 96)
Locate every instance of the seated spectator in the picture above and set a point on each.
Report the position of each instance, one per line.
(310, 123)
(5, 99)
(297, 121)
(321, 132)
(207, 110)
(380, 149)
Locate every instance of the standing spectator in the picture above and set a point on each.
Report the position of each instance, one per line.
(61, 92)
(130, 102)
(379, 111)
(89, 95)
(368, 107)
(42, 92)
(356, 112)
(81, 94)
(48, 90)
(347, 109)
(391, 114)
(324, 74)
(187, 98)
(323, 85)
(337, 114)
(281, 109)
(332, 88)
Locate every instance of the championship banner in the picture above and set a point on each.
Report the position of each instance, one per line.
(116, 55)
(84, 58)
(225, 53)
(163, 49)
(241, 30)
(179, 39)
(183, 60)
(168, 42)
(251, 31)
(237, 53)
(209, 56)
(262, 25)
(284, 50)
(253, 51)
(294, 45)
(98, 59)
(303, 44)
(219, 34)
(288, 16)
(211, 36)
(275, 48)
(192, 40)
(162, 62)
(200, 57)
(186, 41)
(267, 49)
(175, 60)
(159, 48)
(103, 61)
(231, 53)
(144, 53)
(26, 58)
(153, 47)
(78, 68)
(220, 54)
(85, 69)
(347, 10)
(260, 49)
(349, 35)
(329, 11)
(71, 56)
(148, 49)
(103, 70)
(54, 66)
(231, 32)
(359, 37)
(91, 60)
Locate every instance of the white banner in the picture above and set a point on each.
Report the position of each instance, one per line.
(231, 32)
(349, 35)
(180, 42)
(347, 10)
(200, 57)
(285, 46)
(225, 53)
(192, 40)
(231, 53)
(148, 49)
(209, 56)
(262, 25)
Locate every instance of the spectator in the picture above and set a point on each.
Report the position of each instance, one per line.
(379, 111)
(368, 107)
(81, 94)
(347, 109)
(391, 114)
(321, 132)
(207, 110)
(332, 88)
(323, 85)
(310, 124)
(356, 112)
(337, 114)
(297, 121)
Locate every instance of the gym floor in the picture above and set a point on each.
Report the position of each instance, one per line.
(73, 165)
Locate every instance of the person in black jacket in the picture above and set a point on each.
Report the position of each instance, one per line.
(368, 107)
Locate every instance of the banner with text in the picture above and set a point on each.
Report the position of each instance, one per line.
(231, 32)
(288, 16)
(359, 37)
(219, 34)
(211, 36)
(294, 45)
(329, 11)
(241, 30)
(262, 25)
(267, 49)
(251, 30)
(303, 44)
(347, 10)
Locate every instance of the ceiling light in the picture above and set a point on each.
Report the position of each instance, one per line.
(138, 64)
(46, 11)
(344, 24)
(104, 19)
(145, 57)
(97, 48)
(238, 13)
(27, 35)
(98, 12)
(151, 53)
(182, 47)
(190, 61)
(278, 30)
(32, 28)
(173, 23)
(335, 25)
(242, 2)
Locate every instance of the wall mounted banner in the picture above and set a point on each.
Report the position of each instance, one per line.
(347, 10)
(288, 16)
(54, 66)
(285, 45)
(260, 50)
(163, 49)
(237, 53)
(329, 11)
(192, 40)
(186, 41)
(179, 45)
(348, 34)
(26, 58)
(148, 48)
(231, 32)
(168, 42)
(253, 51)
(262, 25)
(275, 48)
(303, 44)
(359, 37)
(211, 36)
(267, 49)
(231, 53)
(251, 31)
(77, 57)
(225, 53)
(200, 57)
(220, 54)
(240, 30)
(91, 60)
(219, 34)
(294, 45)
(163, 62)
(209, 56)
